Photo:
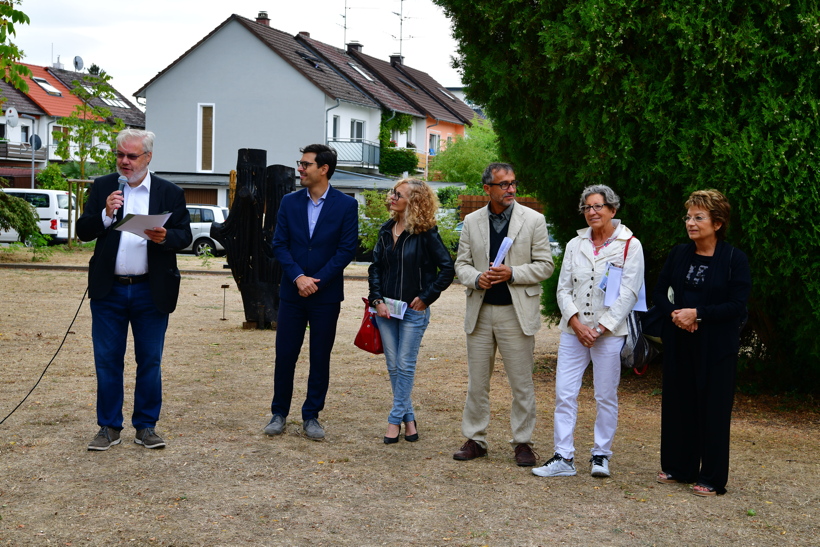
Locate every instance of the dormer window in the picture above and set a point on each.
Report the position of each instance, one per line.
(360, 71)
(47, 87)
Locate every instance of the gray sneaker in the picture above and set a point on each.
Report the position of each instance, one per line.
(105, 439)
(600, 466)
(313, 429)
(148, 438)
(556, 467)
(276, 425)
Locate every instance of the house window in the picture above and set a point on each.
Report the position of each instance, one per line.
(337, 122)
(206, 137)
(23, 133)
(356, 130)
(446, 94)
(47, 87)
(394, 136)
(435, 143)
(362, 72)
(410, 138)
(2, 131)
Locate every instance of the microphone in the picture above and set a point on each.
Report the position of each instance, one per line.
(122, 182)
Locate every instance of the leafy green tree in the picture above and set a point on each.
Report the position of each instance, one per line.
(10, 55)
(658, 99)
(465, 159)
(92, 137)
(17, 214)
(372, 214)
(51, 178)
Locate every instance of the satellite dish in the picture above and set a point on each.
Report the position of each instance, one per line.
(36, 142)
(78, 63)
(12, 118)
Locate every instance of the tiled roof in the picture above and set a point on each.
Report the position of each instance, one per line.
(305, 62)
(57, 106)
(292, 52)
(374, 87)
(438, 92)
(132, 116)
(410, 90)
(18, 100)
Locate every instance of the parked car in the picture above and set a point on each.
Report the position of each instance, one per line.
(202, 216)
(52, 210)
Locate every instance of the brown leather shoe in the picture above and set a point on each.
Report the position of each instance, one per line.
(470, 451)
(525, 456)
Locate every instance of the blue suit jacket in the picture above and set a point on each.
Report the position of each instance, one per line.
(323, 256)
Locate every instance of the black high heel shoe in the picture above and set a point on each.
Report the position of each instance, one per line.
(415, 436)
(392, 440)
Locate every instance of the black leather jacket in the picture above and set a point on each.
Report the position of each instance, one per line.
(423, 268)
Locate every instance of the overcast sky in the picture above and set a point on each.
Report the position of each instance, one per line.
(132, 41)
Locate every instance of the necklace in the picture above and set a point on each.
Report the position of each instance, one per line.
(395, 233)
(597, 248)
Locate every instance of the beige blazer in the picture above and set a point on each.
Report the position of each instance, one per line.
(529, 257)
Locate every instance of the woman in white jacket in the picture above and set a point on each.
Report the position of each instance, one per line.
(590, 330)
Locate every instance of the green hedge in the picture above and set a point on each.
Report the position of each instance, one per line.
(657, 99)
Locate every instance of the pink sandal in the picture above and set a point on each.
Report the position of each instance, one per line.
(666, 478)
(703, 490)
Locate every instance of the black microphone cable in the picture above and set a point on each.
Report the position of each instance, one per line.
(68, 330)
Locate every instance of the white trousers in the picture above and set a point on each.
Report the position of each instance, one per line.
(573, 359)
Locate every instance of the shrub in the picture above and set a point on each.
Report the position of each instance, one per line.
(656, 100)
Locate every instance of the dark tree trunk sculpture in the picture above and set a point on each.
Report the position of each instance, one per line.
(247, 234)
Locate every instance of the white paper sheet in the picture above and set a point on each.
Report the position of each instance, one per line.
(396, 307)
(506, 243)
(613, 289)
(137, 224)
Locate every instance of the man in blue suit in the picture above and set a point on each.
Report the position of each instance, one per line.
(317, 233)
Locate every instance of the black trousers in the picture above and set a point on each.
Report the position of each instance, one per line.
(696, 413)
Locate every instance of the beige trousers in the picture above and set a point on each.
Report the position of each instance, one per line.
(497, 327)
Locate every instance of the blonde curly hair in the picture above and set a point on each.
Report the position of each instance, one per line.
(422, 205)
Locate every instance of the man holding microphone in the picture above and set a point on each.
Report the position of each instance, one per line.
(132, 279)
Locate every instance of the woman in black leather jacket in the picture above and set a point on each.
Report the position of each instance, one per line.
(410, 265)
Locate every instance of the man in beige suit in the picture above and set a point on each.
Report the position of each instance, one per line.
(503, 309)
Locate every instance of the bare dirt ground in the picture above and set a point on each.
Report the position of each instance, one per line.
(221, 481)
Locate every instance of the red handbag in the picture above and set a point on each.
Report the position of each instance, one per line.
(368, 338)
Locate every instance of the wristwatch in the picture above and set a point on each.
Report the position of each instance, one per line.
(598, 329)
(376, 302)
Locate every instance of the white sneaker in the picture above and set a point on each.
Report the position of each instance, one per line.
(556, 467)
(600, 466)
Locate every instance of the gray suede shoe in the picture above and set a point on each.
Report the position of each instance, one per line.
(276, 425)
(313, 429)
(105, 439)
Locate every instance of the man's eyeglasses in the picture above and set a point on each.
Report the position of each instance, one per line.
(132, 157)
(504, 185)
(304, 164)
(698, 218)
(598, 206)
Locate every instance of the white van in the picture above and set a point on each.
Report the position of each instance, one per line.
(52, 208)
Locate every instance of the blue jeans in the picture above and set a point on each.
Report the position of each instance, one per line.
(110, 317)
(401, 339)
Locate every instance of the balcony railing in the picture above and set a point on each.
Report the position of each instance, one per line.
(356, 152)
(20, 151)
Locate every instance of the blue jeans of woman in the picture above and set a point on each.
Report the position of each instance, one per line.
(401, 339)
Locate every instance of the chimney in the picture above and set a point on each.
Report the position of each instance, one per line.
(263, 18)
(304, 33)
(58, 64)
(354, 46)
(396, 59)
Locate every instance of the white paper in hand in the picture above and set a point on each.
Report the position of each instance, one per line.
(502, 251)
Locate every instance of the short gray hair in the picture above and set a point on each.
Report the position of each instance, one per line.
(147, 138)
(610, 197)
(489, 172)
